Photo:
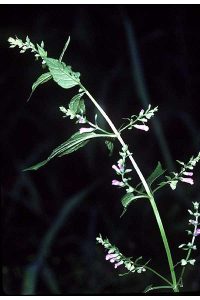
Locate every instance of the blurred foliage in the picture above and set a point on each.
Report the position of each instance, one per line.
(164, 72)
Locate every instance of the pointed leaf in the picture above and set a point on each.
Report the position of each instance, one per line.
(41, 51)
(75, 142)
(62, 74)
(157, 172)
(42, 79)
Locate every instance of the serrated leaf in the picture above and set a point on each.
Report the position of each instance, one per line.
(42, 79)
(62, 74)
(74, 143)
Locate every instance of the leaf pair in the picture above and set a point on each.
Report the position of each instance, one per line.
(61, 74)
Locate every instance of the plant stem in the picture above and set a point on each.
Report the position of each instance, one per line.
(189, 251)
(150, 196)
(158, 274)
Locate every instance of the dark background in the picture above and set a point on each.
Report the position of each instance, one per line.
(128, 56)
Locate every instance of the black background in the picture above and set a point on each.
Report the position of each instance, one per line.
(108, 44)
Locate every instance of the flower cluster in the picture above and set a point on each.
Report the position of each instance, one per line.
(39, 52)
(140, 120)
(116, 257)
(196, 231)
(121, 170)
(185, 175)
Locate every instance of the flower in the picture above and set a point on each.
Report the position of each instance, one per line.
(142, 127)
(117, 182)
(188, 173)
(81, 119)
(83, 129)
(187, 180)
(141, 112)
(112, 257)
(116, 168)
(197, 232)
(118, 264)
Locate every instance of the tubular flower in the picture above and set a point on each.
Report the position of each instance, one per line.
(117, 182)
(116, 169)
(187, 180)
(188, 173)
(197, 232)
(142, 127)
(83, 129)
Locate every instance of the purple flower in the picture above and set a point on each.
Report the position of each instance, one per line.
(141, 112)
(118, 264)
(121, 167)
(117, 182)
(83, 129)
(187, 180)
(142, 127)
(111, 257)
(197, 232)
(81, 120)
(188, 173)
(116, 168)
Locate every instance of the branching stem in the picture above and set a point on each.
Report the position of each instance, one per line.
(150, 195)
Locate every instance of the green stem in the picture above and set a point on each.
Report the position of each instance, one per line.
(189, 251)
(159, 275)
(151, 198)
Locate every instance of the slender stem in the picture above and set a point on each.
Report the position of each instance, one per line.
(160, 287)
(151, 198)
(158, 274)
(189, 251)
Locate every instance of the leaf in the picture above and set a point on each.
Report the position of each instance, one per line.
(157, 172)
(42, 79)
(77, 105)
(110, 147)
(75, 142)
(127, 199)
(37, 166)
(148, 288)
(62, 74)
(41, 51)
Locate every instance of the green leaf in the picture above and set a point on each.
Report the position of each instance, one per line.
(110, 147)
(157, 172)
(42, 79)
(62, 74)
(37, 166)
(74, 143)
(77, 105)
(127, 199)
(41, 51)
